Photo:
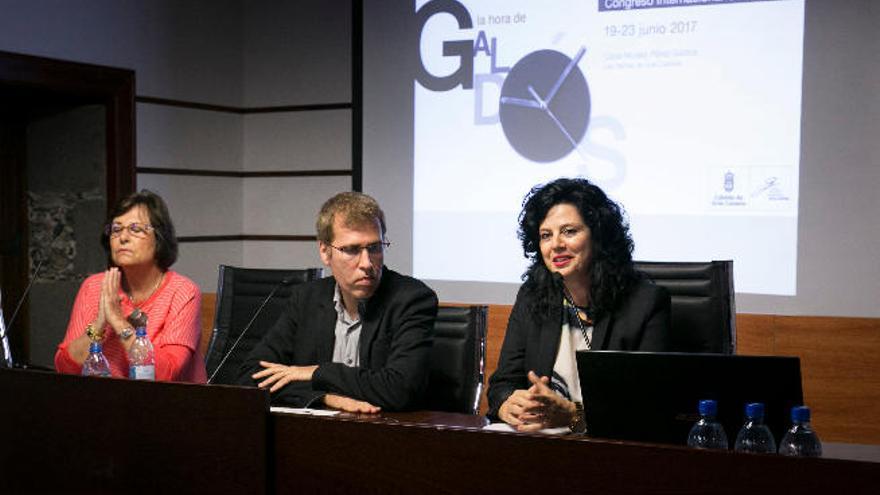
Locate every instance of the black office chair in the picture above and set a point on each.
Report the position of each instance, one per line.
(457, 359)
(703, 315)
(240, 291)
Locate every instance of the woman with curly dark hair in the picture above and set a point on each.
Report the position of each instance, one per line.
(581, 292)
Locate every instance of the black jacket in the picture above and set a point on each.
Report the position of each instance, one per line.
(395, 344)
(641, 323)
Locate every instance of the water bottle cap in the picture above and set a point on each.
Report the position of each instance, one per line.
(708, 407)
(141, 332)
(755, 410)
(95, 347)
(800, 414)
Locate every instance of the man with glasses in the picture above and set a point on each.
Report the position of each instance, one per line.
(358, 341)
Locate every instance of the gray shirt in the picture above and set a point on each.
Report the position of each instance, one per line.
(348, 334)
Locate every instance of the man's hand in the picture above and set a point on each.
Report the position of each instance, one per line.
(278, 375)
(348, 404)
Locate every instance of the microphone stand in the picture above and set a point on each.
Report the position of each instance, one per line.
(4, 339)
(7, 352)
(283, 282)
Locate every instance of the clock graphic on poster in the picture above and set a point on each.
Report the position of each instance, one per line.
(545, 105)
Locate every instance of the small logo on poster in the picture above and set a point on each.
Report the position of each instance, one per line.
(724, 184)
(771, 189)
(728, 181)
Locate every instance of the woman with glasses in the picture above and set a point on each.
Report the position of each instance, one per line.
(581, 292)
(141, 246)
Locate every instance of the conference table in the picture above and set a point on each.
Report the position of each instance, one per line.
(71, 434)
(431, 452)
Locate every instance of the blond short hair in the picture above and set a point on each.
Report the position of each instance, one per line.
(356, 209)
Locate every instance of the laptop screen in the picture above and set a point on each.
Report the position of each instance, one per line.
(652, 397)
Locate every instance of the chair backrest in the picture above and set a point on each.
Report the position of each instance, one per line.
(240, 292)
(703, 313)
(457, 359)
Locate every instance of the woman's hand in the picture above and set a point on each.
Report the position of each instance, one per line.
(109, 312)
(555, 411)
(110, 309)
(519, 409)
(537, 408)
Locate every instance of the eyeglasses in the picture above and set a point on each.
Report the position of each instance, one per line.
(352, 252)
(134, 228)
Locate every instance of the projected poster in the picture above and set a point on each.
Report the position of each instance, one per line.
(687, 112)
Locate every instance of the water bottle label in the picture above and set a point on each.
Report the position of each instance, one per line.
(142, 372)
(95, 372)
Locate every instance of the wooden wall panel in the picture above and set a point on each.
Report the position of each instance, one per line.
(840, 363)
(498, 316)
(754, 334)
(208, 302)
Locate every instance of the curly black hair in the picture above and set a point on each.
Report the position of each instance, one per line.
(612, 273)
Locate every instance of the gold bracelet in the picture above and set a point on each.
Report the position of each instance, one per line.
(578, 422)
(95, 335)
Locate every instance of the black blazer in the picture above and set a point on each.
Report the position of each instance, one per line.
(395, 344)
(641, 323)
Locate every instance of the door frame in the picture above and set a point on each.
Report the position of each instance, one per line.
(114, 88)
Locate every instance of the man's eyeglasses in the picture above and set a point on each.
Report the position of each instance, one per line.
(134, 228)
(351, 252)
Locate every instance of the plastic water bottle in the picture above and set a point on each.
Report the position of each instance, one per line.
(141, 361)
(800, 440)
(96, 364)
(754, 436)
(707, 433)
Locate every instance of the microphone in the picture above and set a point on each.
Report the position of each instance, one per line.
(573, 309)
(558, 281)
(284, 282)
(6, 329)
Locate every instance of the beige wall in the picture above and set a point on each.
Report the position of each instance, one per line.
(230, 53)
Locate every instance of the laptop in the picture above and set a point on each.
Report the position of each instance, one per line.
(653, 397)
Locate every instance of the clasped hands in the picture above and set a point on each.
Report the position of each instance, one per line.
(275, 376)
(537, 408)
(109, 306)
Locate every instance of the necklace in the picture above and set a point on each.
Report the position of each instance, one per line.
(585, 314)
(149, 294)
(575, 312)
